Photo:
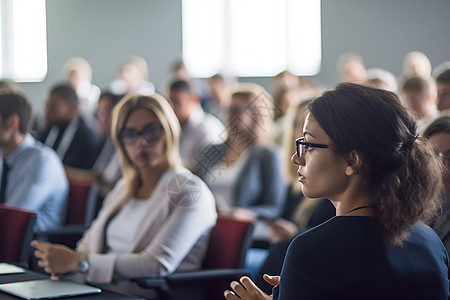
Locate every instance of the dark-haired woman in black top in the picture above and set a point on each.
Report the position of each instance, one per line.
(360, 150)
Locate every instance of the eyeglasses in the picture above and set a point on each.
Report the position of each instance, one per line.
(303, 147)
(150, 133)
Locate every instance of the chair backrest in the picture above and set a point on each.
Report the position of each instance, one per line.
(82, 201)
(229, 241)
(16, 233)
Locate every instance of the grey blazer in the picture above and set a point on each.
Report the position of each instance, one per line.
(259, 186)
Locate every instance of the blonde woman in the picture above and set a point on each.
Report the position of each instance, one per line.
(156, 219)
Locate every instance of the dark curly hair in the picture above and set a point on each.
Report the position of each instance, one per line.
(402, 172)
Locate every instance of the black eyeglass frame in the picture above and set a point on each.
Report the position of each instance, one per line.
(143, 133)
(300, 141)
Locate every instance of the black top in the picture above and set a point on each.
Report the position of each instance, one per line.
(346, 258)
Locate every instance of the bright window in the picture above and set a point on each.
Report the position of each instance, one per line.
(23, 55)
(251, 37)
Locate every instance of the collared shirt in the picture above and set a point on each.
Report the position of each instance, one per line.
(37, 181)
(200, 131)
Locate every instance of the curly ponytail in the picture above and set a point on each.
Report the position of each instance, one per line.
(409, 194)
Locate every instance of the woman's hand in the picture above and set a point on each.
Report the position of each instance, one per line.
(242, 213)
(281, 230)
(247, 290)
(272, 280)
(56, 259)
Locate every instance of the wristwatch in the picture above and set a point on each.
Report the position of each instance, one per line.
(83, 265)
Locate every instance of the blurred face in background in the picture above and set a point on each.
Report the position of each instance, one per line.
(417, 102)
(240, 115)
(104, 114)
(441, 144)
(182, 103)
(443, 95)
(58, 111)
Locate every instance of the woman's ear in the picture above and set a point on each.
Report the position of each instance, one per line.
(354, 163)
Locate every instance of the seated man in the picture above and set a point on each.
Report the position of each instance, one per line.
(198, 129)
(66, 131)
(420, 95)
(33, 176)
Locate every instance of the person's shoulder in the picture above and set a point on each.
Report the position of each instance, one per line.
(186, 189)
(38, 149)
(210, 119)
(312, 243)
(424, 234)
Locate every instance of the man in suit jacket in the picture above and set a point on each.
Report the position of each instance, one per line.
(76, 142)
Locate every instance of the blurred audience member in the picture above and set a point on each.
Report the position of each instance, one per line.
(284, 80)
(244, 173)
(132, 78)
(32, 174)
(78, 74)
(416, 64)
(438, 133)
(381, 79)
(67, 132)
(198, 129)
(107, 164)
(219, 97)
(350, 68)
(283, 101)
(9, 86)
(443, 88)
(420, 96)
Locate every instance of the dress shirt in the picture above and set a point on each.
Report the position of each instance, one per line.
(37, 181)
(200, 131)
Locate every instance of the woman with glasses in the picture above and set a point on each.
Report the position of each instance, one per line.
(360, 150)
(156, 219)
(438, 133)
(244, 173)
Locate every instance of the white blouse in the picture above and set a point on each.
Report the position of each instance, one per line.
(123, 227)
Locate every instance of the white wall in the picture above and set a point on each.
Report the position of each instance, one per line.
(104, 31)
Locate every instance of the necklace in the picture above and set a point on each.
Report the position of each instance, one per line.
(357, 208)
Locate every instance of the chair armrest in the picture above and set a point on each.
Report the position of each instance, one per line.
(206, 275)
(163, 283)
(152, 283)
(66, 229)
(67, 235)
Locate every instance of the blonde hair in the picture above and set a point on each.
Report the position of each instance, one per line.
(261, 102)
(79, 65)
(171, 127)
(289, 139)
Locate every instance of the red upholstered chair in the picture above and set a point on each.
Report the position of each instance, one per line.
(224, 262)
(16, 232)
(82, 206)
(82, 202)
